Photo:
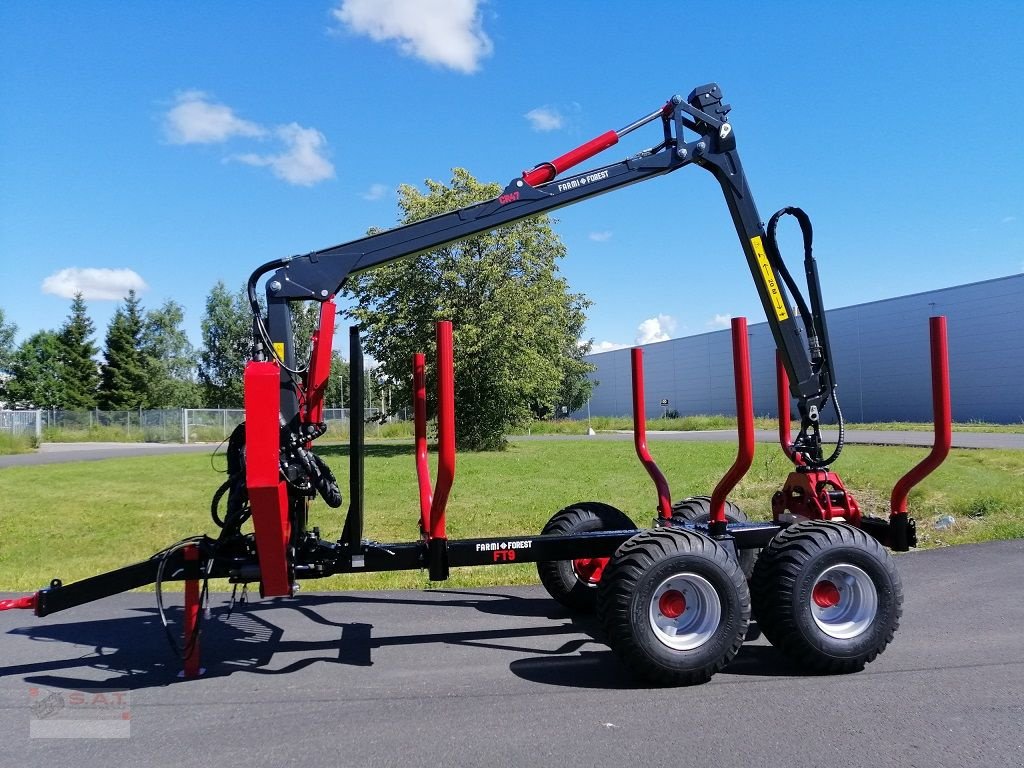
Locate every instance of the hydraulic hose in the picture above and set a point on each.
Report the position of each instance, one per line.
(814, 321)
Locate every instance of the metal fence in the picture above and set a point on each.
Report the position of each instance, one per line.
(168, 425)
(22, 423)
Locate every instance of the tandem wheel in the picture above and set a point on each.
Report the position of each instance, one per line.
(697, 509)
(828, 595)
(675, 606)
(573, 583)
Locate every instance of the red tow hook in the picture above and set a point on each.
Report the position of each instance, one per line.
(28, 601)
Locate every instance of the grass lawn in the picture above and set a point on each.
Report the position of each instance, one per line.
(76, 520)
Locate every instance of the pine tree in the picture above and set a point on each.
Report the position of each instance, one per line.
(79, 373)
(123, 383)
(169, 359)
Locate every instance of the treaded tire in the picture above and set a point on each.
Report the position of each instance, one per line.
(697, 509)
(560, 577)
(783, 589)
(627, 600)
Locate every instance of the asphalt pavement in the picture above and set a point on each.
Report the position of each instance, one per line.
(505, 677)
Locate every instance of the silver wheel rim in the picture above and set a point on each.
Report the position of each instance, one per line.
(844, 601)
(699, 619)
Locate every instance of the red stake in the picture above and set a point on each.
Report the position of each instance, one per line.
(445, 429)
(744, 419)
(785, 438)
(640, 436)
(942, 416)
(419, 381)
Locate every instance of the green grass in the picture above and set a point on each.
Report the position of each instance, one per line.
(75, 520)
(704, 422)
(10, 444)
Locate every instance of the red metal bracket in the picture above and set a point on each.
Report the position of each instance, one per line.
(640, 436)
(744, 421)
(320, 364)
(942, 416)
(267, 493)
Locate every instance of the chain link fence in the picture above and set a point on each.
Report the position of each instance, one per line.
(168, 425)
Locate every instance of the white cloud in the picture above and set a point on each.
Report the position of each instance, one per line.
(195, 119)
(376, 192)
(606, 346)
(720, 321)
(601, 237)
(303, 162)
(1008, 219)
(545, 119)
(102, 284)
(654, 329)
(445, 32)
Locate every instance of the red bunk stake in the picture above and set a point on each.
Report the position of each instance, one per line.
(190, 630)
(419, 382)
(943, 434)
(640, 436)
(745, 424)
(785, 417)
(445, 429)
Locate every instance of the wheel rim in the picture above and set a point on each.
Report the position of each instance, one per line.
(843, 601)
(685, 611)
(589, 569)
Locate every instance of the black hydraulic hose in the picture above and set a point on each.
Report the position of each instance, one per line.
(814, 322)
(780, 266)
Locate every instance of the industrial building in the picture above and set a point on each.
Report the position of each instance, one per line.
(881, 358)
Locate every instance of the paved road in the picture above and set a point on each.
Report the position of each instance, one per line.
(504, 677)
(54, 453)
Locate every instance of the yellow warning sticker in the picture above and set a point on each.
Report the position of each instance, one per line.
(769, 279)
(279, 349)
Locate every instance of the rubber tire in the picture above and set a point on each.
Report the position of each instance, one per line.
(781, 591)
(697, 509)
(630, 580)
(558, 576)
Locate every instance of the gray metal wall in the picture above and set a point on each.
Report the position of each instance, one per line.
(882, 361)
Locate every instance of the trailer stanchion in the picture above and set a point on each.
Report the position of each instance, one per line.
(191, 621)
(901, 533)
(419, 387)
(640, 436)
(745, 425)
(785, 416)
(438, 541)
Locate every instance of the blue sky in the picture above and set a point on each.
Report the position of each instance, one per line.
(171, 145)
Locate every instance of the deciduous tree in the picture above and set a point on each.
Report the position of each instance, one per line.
(517, 325)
